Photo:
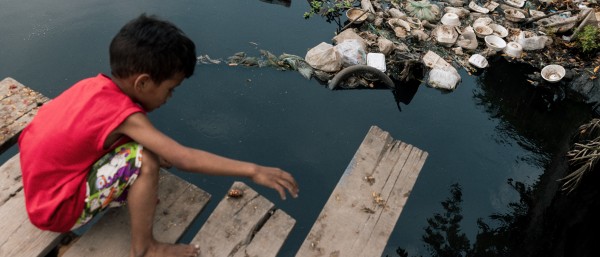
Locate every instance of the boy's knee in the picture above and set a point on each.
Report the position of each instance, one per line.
(150, 162)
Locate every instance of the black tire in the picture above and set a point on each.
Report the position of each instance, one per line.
(351, 70)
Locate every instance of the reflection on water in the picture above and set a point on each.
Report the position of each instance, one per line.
(282, 119)
(544, 219)
(285, 3)
(405, 92)
(538, 118)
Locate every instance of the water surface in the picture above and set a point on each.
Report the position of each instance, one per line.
(492, 128)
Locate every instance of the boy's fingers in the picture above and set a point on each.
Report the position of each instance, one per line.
(290, 186)
(281, 191)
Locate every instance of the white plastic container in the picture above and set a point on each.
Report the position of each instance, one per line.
(450, 19)
(478, 61)
(376, 60)
(494, 42)
(553, 73)
(513, 49)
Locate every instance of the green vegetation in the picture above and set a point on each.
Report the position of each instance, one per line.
(587, 39)
(328, 8)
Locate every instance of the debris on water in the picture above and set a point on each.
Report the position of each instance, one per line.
(282, 62)
(205, 59)
(441, 36)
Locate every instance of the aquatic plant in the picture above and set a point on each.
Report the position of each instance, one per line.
(584, 155)
(327, 8)
(587, 39)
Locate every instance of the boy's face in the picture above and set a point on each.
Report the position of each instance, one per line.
(154, 95)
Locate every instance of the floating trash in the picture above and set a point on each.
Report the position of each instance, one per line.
(376, 60)
(491, 5)
(450, 19)
(553, 73)
(482, 21)
(467, 39)
(514, 15)
(423, 10)
(445, 35)
(483, 31)
(478, 61)
(513, 49)
(357, 15)
(531, 41)
(515, 3)
(498, 30)
(461, 12)
(473, 6)
(494, 42)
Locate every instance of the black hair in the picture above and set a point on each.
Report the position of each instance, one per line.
(147, 44)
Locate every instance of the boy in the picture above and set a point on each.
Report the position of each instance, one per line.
(93, 147)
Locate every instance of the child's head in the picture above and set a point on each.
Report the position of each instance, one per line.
(153, 46)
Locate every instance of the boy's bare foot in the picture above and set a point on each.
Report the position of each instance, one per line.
(158, 249)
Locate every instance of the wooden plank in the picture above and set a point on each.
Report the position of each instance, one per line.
(269, 239)
(180, 203)
(10, 179)
(363, 209)
(18, 105)
(19, 237)
(244, 226)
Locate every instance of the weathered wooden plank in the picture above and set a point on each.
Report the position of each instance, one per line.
(363, 209)
(18, 105)
(269, 239)
(180, 203)
(10, 179)
(19, 237)
(244, 226)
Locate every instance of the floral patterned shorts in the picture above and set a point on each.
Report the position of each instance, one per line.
(109, 180)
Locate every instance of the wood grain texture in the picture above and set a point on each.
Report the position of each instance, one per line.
(18, 105)
(363, 209)
(244, 226)
(19, 237)
(10, 179)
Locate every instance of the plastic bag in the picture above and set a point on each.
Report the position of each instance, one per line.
(347, 35)
(351, 52)
(533, 42)
(443, 77)
(324, 57)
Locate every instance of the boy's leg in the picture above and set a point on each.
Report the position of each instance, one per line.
(109, 179)
(142, 206)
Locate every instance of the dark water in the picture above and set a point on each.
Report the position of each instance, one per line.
(492, 128)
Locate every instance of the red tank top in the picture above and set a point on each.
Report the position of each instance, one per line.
(60, 145)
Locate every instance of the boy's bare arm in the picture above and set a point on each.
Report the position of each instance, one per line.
(140, 129)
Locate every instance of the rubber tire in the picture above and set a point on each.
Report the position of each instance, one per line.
(349, 71)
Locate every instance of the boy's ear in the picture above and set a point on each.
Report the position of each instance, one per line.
(141, 80)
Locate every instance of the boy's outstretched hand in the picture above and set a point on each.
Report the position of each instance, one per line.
(277, 179)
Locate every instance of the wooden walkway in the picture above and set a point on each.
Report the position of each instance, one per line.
(357, 220)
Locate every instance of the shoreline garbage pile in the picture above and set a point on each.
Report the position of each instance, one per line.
(455, 33)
